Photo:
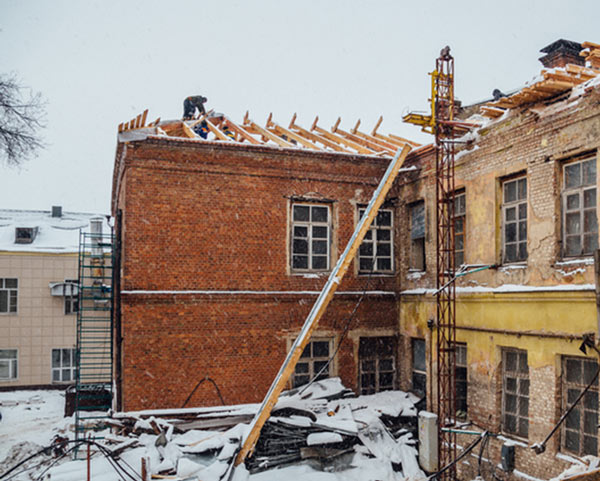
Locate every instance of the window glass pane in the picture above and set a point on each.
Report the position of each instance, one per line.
(511, 384)
(522, 194)
(511, 232)
(319, 232)
(590, 400)
(384, 250)
(3, 301)
(368, 235)
(510, 191)
(573, 201)
(11, 283)
(384, 264)
(321, 365)
(319, 262)
(384, 218)
(572, 440)
(523, 362)
(510, 423)
(590, 445)
(589, 198)
(368, 366)
(386, 365)
(301, 213)
(66, 357)
(573, 247)
(300, 262)
(366, 249)
(320, 348)
(572, 420)
(386, 380)
(511, 253)
(573, 223)
(523, 211)
(589, 371)
(510, 214)
(590, 243)
(66, 374)
(4, 370)
(572, 175)
(366, 264)
(590, 422)
(417, 220)
(522, 230)
(300, 231)
(55, 357)
(589, 172)
(319, 214)
(510, 358)
(523, 406)
(573, 368)
(384, 234)
(590, 223)
(319, 247)
(419, 360)
(56, 375)
(300, 246)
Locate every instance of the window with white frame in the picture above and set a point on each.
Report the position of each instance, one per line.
(580, 224)
(314, 358)
(376, 253)
(8, 295)
(417, 236)
(580, 429)
(63, 365)
(514, 220)
(71, 298)
(311, 237)
(460, 218)
(8, 364)
(377, 364)
(515, 392)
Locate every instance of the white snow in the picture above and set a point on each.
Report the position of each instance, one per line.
(54, 234)
(506, 288)
(315, 439)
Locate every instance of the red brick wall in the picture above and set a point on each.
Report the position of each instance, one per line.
(199, 216)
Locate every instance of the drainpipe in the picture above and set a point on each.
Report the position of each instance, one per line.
(597, 282)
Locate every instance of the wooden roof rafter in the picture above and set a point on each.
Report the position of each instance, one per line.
(282, 131)
(339, 139)
(264, 133)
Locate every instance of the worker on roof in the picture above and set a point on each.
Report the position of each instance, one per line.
(190, 104)
(201, 129)
(228, 132)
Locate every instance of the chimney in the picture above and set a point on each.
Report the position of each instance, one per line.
(560, 53)
(56, 211)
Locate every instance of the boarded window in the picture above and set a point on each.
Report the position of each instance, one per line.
(514, 220)
(460, 219)
(376, 253)
(313, 360)
(377, 361)
(580, 224)
(417, 236)
(515, 392)
(580, 429)
(419, 367)
(461, 380)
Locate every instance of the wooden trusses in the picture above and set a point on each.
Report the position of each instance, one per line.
(219, 127)
(552, 83)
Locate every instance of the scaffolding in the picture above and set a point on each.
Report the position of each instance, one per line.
(93, 388)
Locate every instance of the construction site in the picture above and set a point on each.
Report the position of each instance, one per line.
(293, 299)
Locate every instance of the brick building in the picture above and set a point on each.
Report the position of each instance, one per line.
(526, 204)
(226, 243)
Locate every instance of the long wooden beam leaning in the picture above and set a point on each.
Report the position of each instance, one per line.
(336, 276)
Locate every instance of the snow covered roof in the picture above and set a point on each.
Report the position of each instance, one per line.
(48, 234)
(550, 83)
(218, 127)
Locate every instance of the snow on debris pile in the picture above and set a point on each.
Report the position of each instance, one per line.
(583, 469)
(320, 432)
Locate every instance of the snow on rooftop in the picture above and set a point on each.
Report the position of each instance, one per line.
(51, 234)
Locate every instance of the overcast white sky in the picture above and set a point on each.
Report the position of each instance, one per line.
(98, 63)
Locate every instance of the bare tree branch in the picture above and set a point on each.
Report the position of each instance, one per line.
(22, 117)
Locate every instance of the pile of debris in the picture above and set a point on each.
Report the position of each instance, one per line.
(323, 427)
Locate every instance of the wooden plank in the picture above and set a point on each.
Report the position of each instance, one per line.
(269, 135)
(341, 140)
(144, 117)
(187, 131)
(377, 124)
(336, 276)
(590, 45)
(402, 139)
(241, 132)
(377, 141)
(220, 135)
(318, 138)
(365, 142)
(293, 135)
